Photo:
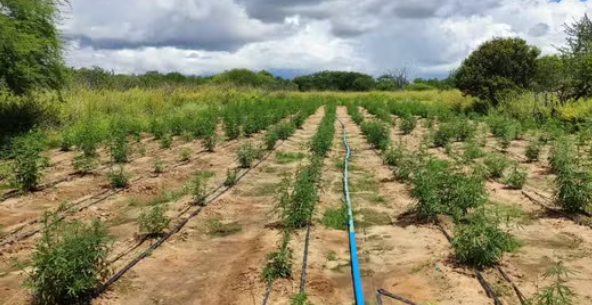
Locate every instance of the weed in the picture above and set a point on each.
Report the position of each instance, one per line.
(166, 141)
(473, 151)
(246, 154)
(153, 222)
(187, 136)
(331, 256)
(84, 164)
(574, 189)
(279, 263)
(231, 176)
(299, 299)
(516, 178)
(26, 168)
(70, 260)
(286, 157)
(558, 292)
(198, 189)
(217, 228)
(408, 124)
(377, 133)
(157, 166)
(209, 142)
(480, 242)
(118, 178)
(561, 156)
(533, 151)
(185, 154)
(496, 165)
(336, 218)
(118, 147)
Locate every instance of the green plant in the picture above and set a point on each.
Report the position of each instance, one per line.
(217, 228)
(558, 292)
(185, 154)
(166, 141)
(198, 189)
(480, 242)
(84, 165)
(26, 168)
(299, 299)
(118, 178)
(246, 154)
(271, 137)
(377, 133)
(158, 166)
(118, 146)
(70, 260)
(574, 189)
(496, 165)
(473, 151)
(408, 124)
(533, 151)
(153, 222)
(231, 176)
(516, 178)
(287, 157)
(561, 156)
(336, 218)
(279, 263)
(209, 141)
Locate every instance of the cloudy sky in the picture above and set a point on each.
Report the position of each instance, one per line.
(298, 36)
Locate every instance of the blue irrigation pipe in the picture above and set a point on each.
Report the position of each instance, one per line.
(358, 290)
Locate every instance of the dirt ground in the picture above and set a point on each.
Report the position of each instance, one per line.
(199, 266)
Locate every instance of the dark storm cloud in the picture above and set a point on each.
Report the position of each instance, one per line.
(276, 10)
(414, 11)
(539, 30)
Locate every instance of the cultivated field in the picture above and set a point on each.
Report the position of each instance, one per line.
(234, 202)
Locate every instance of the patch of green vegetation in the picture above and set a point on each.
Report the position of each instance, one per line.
(286, 157)
(262, 189)
(511, 213)
(331, 256)
(163, 197)
(219, 229)
(365, 183)
(370, 217)
(336, 218)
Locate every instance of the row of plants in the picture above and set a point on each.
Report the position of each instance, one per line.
(297, 201)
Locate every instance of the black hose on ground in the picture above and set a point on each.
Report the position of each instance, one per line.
(382, 292)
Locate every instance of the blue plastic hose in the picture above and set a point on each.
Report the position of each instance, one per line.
(358, 290)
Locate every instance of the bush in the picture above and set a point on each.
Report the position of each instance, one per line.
(118, 178)
(557, 293)
(279, 263)
(28, 162)
(84, 165)
(118, 147)
(533, 151)
(408, 124)
(166, 141)
(209, 141)
(185, 154)
(336, 218)
(480, 242)
(377, 133)
(473, 151)
(561, 156)
(247, 154)
(70, 260)
(158, 166)
(152, 223)
(516, 178)
(198, 189)
(496, 165)
(231, 177)
(574, 189)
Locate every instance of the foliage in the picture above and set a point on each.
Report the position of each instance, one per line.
(84, 165)
(335, 81)
(185, 154)
(497, 66)
(323, 139)
(231, 177)
(533, 151)
(297, 207)
(496, 164)
(574, 189)
(118, 178)
(408, 124)
(166, 141)
(336, 218)
(480, 242)
(299, 299)
(152, 223)
(246, 154)
(118, 146)
(561, 155)
(558, 292)
(279, 263)
(158, 166)
(218, 228)
(198, 186)
(32, 46)
(69, 261)
(28, 162)
(516, 178)
(377, 133)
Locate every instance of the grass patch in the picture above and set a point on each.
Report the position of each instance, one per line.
(285, 158)
(163, 197)
(336, 218)
(262, 189)
(219, 229)
(369, 217)
(365, 183)
(511, 213)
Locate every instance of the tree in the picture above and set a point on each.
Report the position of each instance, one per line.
(31, 48)
(335, 81)
(551, 76)
(578, 57)
(497, 67)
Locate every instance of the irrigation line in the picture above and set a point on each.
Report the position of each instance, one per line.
(554, 210)
(305, 257)
(100, 290)
(382, 292)
(356, 275)
(267, 293)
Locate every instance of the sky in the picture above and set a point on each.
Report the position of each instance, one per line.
(294, 37)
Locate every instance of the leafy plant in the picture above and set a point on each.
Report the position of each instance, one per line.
(299, 299)
(218, 228)
(69, 261)
(198, 189)
(574, 189)
(533, 151)
(118, 178)
(185, 154)
(246, 154)
(26, 168)
(516, 178)
(480, 242)
(473, 151)
(153, 222)
(158, 166)
(496, 165)
(336, 218)
(377, 133)
(408, 124)
(231, 177)
(209, 141)
(84, 164)
(561, 156)
(558, 292)
(279, 263)
(166, 141)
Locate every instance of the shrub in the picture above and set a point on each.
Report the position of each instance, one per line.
(533, 151)
(408, 124)
(153, 222)
(166, 141)
(574, 189)
(198, 189)
(279, 263)
(118, 147)
(561, 156)
(118, 178)
(247, 154)
(84, 164)
(516, 178)
(271, 137)
(231, 177)
(480, 242)
(158, 166)
(298, 208)
(217, 228)
(185, 154)
(496, 165)
(336, 218)
(87, 137)
(473, 151)
(558, 292)
(377, 133)
(209, 141)
(70, 260)
(300, 299)
(66, 139)
(28, 162)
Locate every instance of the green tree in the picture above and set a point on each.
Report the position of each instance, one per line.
(496, 67)
(31, 48)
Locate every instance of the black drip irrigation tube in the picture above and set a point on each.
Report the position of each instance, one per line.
(557, 211)
(100, 290)
(305, 257)
(381, 292)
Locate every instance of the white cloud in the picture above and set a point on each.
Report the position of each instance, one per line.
(202, 36)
